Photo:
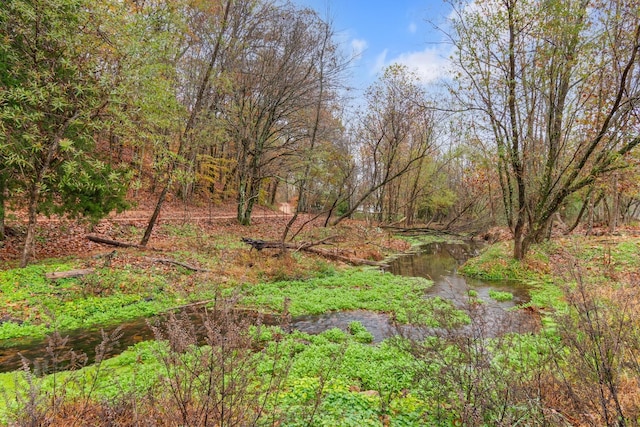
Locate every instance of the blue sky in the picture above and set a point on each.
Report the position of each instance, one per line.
(388, 31)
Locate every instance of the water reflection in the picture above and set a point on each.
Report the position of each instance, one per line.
(440, 261)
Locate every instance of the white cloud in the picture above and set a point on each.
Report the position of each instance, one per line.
(413, 28)
(429, 64)
(358, 46)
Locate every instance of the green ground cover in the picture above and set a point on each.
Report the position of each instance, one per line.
(338, 377)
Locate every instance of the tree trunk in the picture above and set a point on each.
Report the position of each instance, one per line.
(155, 215)
(3, 183)
(615, 205)
(28, 251)
(518, 245)
(247, 196)
(583, 209)
(273, 191)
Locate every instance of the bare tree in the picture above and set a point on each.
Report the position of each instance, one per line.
(393, 135)
(556, 84)
(330, 70)
(272, 84)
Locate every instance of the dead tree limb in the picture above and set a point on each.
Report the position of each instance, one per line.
(259, 244)
(181, 264)
(309, 247)
(105, 241)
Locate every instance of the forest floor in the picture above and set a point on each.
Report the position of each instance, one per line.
(59, 237)
(133, 283)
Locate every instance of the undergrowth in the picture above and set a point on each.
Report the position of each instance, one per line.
(351, 289)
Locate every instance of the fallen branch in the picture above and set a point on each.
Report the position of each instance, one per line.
(68, 274)
(105, 241)
(308, 247)
(342, 258)
(181, 264)
(259, 244)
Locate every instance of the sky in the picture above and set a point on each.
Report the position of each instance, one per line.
(389, 31)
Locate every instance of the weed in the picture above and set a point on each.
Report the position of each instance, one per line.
(360, 333)
(473, 376)
(40, 399)
(598, 358)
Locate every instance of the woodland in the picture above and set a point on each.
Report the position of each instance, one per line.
(161, 155)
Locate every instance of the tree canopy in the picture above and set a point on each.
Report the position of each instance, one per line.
(247, 101)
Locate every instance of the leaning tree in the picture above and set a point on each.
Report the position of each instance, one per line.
(555, 85)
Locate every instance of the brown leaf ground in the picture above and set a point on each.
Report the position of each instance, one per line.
(63, 237)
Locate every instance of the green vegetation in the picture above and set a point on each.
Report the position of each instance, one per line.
(347, 290)
(495, 263)
(37, 305)
(338, 377)
(500, 296)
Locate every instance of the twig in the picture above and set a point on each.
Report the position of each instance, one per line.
(181, 264)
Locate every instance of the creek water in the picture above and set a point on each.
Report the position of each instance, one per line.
(437, 261)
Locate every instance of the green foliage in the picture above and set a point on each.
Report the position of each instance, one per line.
(500, 296)
(89, 188)
(496, 263)
(347, 290)
(56, 88)
(102, 298)
(360, 333)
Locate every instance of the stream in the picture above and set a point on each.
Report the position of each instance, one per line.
(436, 261)
(439, 262)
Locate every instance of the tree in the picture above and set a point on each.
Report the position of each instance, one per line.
(555, 84)
(56, 89)
(275, 80)
(321, 122)
(214, 27)
(394, 135)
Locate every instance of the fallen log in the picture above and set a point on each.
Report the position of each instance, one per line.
(259, 244)
(309, 247)
(342, 258)
(181, 264)
(68, 274)
(105, 241)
